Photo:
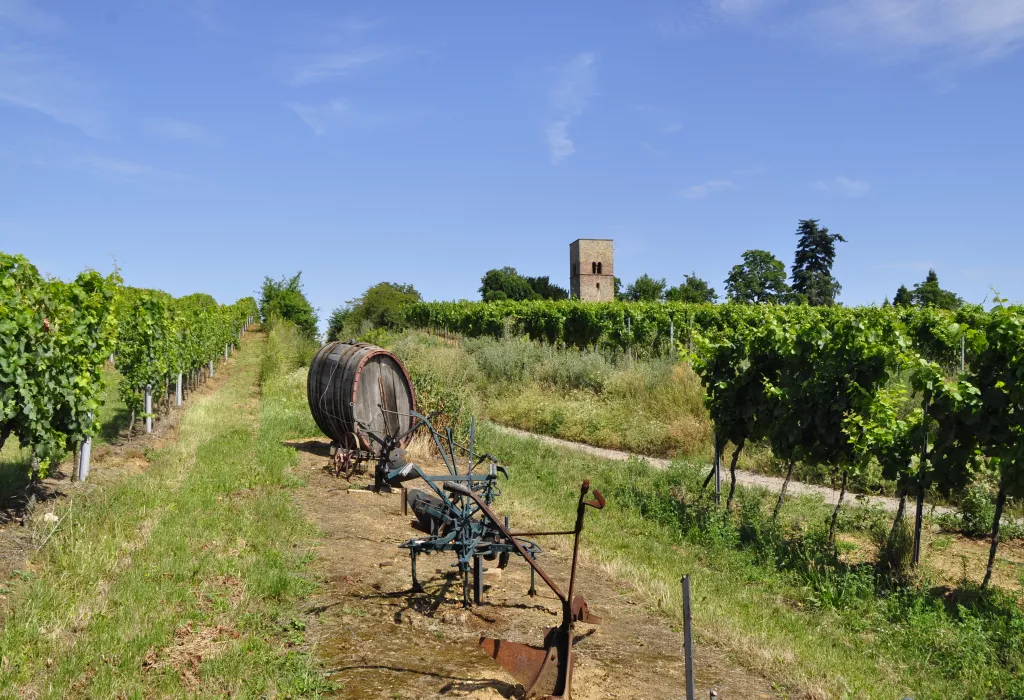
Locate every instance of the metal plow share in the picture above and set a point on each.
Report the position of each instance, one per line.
(544, 671)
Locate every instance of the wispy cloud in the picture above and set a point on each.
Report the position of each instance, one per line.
(560, 146)
(966, 29)
(45, 83)
(739, 8)
(574, 88)
(981, 30)
(177, 129)
(844, 186)
(320, 67)
(26, 17)
(115, 165)
(318, 117)
(206, 15)
(706, 189)
(357, 25)
(322, 118)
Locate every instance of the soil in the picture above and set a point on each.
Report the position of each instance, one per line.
(378, 639)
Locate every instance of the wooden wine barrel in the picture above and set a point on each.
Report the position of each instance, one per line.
(350, 382)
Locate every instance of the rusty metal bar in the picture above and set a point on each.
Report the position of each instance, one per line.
(539, 534)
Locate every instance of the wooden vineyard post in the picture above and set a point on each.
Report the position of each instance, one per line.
(211, 369)
(688, 639)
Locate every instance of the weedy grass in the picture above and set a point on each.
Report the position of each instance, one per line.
(649, 406)
(180, 580)
(774, 594)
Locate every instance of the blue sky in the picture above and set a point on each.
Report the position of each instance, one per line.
(203, 144)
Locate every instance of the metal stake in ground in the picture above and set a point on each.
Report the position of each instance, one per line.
(718, 472)
(84, 456)
(688, 639)
(177, 391)
(148, 408)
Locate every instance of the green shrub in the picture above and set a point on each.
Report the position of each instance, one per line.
(977, 510)
(287, 348)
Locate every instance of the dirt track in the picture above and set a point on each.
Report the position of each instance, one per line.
(379, 640)
(746, 478)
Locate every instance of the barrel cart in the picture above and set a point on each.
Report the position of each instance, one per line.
(355, 389)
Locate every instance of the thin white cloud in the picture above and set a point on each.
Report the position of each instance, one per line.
(320, 67)
(177, 129)
(45, 83)
(559, 144)
(318, 117)
(978, 30)
(739, 8)
(206, 15)
(26, 17)
(706, 189)
(356, 25)
(116, 165)
(983, 29)
(844, 186)
(321, 118)
(574, 88)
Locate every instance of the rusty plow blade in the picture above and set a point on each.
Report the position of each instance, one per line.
(545, 672)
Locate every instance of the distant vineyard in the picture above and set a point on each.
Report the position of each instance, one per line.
(929, 399)
(56, 336)
(940, 336)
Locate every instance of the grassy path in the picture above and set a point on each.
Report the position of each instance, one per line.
(825, 640)
(744, 477)
(181, 580)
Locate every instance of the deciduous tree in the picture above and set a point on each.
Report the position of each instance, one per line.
(286, 299)
(646, 288)
(693, 290)
(759, 279)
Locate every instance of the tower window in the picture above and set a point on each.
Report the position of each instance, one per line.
(593, 267)
(599, 268)
(599, 286)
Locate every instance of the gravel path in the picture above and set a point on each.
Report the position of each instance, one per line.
(746, 478)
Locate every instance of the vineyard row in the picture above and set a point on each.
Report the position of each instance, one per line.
(657, 328)
(55, 337)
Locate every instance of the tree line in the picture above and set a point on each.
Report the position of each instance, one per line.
(760, 278)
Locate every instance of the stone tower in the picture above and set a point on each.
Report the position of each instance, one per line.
(592, 269)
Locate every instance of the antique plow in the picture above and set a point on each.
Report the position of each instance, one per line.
(544, 671)
(456, 515)
(451, 521)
